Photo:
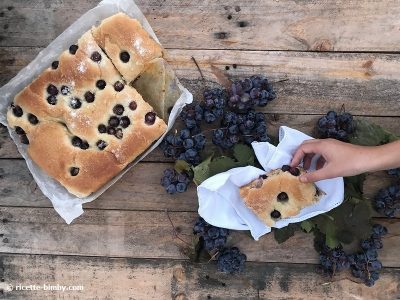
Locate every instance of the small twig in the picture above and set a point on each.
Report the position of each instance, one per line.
(175, 232)
(216, 253)
(198, 68)
(281, 80)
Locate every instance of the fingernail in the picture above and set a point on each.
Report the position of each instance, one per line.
(303, 178)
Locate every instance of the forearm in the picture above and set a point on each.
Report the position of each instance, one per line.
(381, 157)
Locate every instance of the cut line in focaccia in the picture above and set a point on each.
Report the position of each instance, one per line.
(158, 86)
(127, 44)
(81, 122)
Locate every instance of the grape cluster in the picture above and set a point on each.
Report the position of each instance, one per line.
(387, 201)
(214, 237)
(333, 260)
(365, 264)
(394, 172)
(250, 92)
(213, 105)
(184, 146)
(336, 126)
(191, 115)
(174, 182)
(231, 260)
(240, 127)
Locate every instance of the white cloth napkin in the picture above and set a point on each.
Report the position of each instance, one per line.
(219, 198)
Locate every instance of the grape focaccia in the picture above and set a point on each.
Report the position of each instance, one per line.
(279, 194)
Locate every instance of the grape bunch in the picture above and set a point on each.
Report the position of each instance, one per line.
(394, 172)
(336, 126)
(213, 105)
(250, 92)
(192, 115)
(175, 182)
(214, 237)
(184, 146)
(240, 127)
(333, 260)
(365, 264)
(231, 260)
(387, 201)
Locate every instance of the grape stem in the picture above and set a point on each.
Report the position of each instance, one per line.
(214, 256)
(198, 68)
(174, 229)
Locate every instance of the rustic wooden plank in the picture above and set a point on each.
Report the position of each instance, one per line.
(314, 82)
(139, 189)
(257, 25)
(304, 123)
(179, 280)
(148, 234)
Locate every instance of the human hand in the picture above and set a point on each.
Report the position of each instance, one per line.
(336, 159)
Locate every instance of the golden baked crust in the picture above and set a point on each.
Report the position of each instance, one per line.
(88, 132)
(278, 195)
(120, 33)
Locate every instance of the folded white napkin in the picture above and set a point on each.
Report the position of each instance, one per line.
(219, 198)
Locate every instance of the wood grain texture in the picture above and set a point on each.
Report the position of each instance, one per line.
(313, 82)
(149, 234)
(139, 189)
(116, 278)
(338, 25)
(304, 123)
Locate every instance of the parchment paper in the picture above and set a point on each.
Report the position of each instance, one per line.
(67, 205)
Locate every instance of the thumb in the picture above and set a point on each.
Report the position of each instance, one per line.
(314, 176)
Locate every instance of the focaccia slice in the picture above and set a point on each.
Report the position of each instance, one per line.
(279, 194)
(127, 44)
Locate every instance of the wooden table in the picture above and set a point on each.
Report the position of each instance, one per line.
(123, 246)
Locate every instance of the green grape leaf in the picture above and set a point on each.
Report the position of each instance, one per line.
(353, 186)
(243, 154)
(221, 164)
(182, 166)
(307, 225)
(345, 236)
(371, 134)
(359, 222)
(331, 241)
(202, 171)
(327, 226)
(283, 234)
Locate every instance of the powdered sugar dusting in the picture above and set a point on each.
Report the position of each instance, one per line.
(138, 45)
(82, 67)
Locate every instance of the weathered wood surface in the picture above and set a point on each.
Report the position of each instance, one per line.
(125, 278)
(139, 189)
(304, 123)
(124, 245)
(149, 234)
(338, 25)
(314, 82)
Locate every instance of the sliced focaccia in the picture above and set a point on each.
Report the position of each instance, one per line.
(80, 120)
(279, 194)
(127, 44)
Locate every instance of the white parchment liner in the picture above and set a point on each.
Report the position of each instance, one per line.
(67, 205)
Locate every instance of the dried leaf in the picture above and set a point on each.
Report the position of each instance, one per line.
(222, 79)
